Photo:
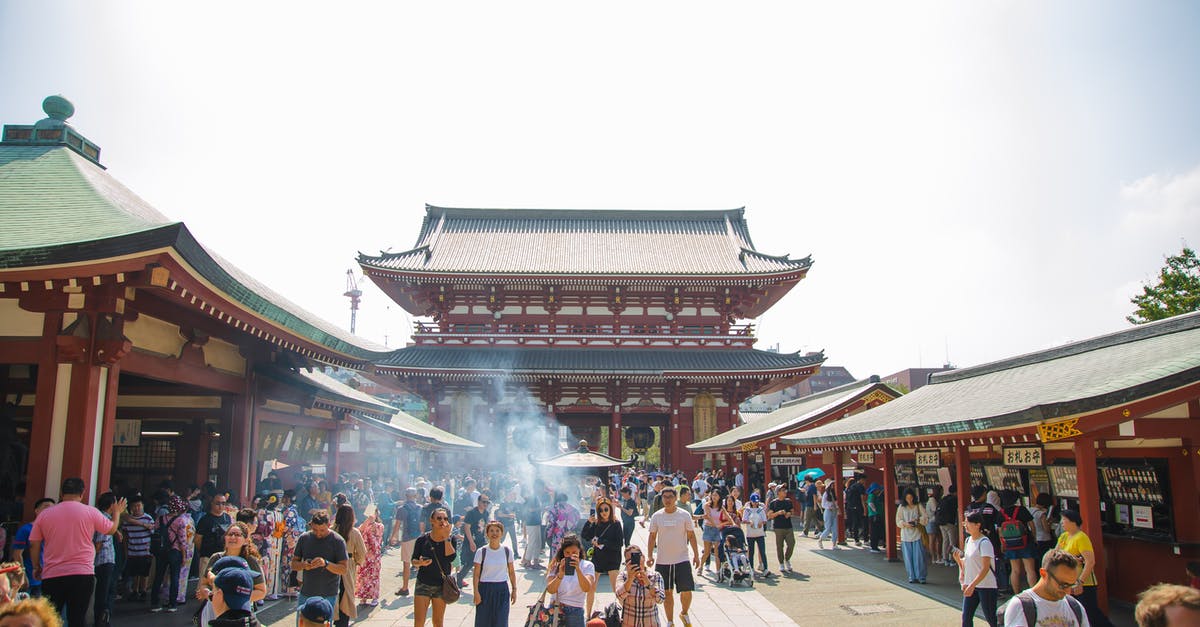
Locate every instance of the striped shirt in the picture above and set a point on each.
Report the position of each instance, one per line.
(137, 539)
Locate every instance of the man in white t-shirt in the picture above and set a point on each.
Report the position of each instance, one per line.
(1047, 602)
(671, 531)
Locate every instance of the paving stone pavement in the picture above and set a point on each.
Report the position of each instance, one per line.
(823, 592)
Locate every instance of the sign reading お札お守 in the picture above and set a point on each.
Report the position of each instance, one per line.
(1023, 456)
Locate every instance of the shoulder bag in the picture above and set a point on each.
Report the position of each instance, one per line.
(541, 615)
(450, 591)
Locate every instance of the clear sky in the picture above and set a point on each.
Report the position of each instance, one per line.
(973, 179)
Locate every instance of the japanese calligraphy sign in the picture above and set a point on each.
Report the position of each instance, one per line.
(865, 457)
(928, 459)
(1023, 456)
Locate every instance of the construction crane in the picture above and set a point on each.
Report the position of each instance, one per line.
(355, 296)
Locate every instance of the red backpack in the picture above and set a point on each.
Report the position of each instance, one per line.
(1012, 531)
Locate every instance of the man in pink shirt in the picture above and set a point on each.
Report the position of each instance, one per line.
(67, 566)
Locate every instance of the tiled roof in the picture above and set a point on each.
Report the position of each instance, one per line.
(1085, 376)
(594, 361)
(58, 207)
(408, 426)
(344, 392)
(791, 415)
(569, 242)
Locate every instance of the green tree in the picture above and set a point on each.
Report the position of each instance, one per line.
(1177, 291)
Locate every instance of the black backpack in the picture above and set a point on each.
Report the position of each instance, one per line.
(160, 540)
(1029, 607)
(947, 510)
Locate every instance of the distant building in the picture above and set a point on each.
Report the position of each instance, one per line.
(912, 378)
(827, 378)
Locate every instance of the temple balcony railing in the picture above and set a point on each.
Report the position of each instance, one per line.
(636, 334)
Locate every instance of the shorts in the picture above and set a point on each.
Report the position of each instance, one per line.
(712, 534)
(137, 566)
(678, 576)
(406, 550)
(427, 590)
(1020, 554)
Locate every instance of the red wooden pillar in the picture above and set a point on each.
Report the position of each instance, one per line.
(744, 469)
(614, 434)
(889, 503)
(767, 471)
(233, 458)
(962, 483)
(109, 427)
(44, 479)
(335, 453)
(1089, 508)
(839, 490)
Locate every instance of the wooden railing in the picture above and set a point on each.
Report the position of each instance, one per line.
(558, 329)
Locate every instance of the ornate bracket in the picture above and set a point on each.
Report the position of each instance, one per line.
(1061, 430)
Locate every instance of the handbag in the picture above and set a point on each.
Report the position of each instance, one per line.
(450, 591)
(541, 615)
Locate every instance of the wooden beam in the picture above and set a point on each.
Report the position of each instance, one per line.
(179, 371)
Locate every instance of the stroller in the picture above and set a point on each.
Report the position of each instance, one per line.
(735, 563)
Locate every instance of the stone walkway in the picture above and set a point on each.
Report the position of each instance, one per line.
(824, 592)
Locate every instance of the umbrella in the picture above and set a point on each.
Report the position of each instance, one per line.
(814, 473)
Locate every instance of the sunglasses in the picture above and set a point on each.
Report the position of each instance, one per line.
(1062, 584)
(440, 518)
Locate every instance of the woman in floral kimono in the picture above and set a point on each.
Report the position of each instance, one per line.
(184, 541)
(561, 519)
(368, 571)
(293, 526)
(269, 543)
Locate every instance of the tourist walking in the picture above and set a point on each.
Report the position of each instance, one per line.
(408, 521)
(812, 506)
(910, 519)
(639, 590)
(1048, 602)
(570, 579)
(672, 531)
(754, 517)
(629, 512)
(1077, 543)
(779, 512)
(61, 537)
(293, 528)
(179, 531)
(105, 565)
(238, 544)
(321, 556)
(975, 574)
(932, 530)
(433, 555)
(561, 519)
(714, 519)
(875, 516)
(856, 510)
(356, 552)
(829, 505)
(946, 517)
(137, 526)
(367, 579)
(494, 580)
(602, 534)
(20, 547)
(533, 513)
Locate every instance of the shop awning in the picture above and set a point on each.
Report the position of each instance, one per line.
(412, 428)
(794, 414)
(581, 458)
(1071, 380)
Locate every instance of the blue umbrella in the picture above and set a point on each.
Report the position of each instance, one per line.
(814, 473)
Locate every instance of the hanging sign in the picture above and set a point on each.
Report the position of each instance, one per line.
(928, 459)
(127, 433)
(1023, 456)
(866, 457)
(786, 460)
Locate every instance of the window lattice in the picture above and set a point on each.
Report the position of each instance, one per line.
(150, 455)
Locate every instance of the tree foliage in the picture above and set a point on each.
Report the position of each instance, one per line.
(1176, 292)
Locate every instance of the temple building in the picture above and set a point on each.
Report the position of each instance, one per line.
(615, 327)
(131, 354)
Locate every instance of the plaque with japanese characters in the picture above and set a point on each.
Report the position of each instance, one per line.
(1023, 456)
(928, 459)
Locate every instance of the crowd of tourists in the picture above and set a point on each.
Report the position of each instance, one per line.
(322, 545)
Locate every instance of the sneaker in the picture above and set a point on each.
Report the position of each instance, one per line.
(402, 592)
(158, 608)
(876, 551)
(836, 547)
(821, 543)
(172, 608)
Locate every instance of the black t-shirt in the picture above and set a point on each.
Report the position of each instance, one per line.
(212, 531)
(854, 494)
(989, 514)
(476, 521)
(781, 505)
(426, 548)
(319, 582)
(533, 512)
(947, 510)
(628, 504)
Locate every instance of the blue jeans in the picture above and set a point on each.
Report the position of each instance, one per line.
(831, 521)
(985, 597)
(572, 616)
(914, 560)
(167, 565)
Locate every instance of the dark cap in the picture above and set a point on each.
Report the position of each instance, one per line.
(316, 610)
(235, 585)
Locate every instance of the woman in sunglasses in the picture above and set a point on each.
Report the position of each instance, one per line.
(433, 554)
(602, 533)
(639, 591)
(975, 573)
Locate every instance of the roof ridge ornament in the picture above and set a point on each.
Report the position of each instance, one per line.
(52, 130)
